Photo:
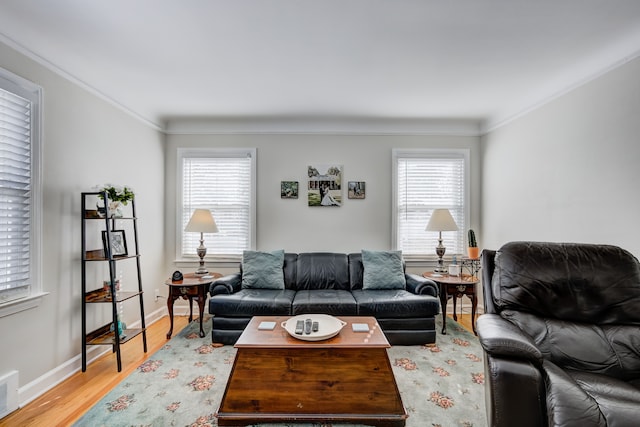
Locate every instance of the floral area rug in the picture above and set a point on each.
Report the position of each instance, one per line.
(441, 385)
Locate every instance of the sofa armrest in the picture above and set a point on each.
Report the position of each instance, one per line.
(501, 338)
(420, 285)
(226, 284)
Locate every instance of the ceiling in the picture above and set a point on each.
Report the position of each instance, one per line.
(332, 61)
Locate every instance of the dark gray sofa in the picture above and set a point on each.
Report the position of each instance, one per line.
(327, 283)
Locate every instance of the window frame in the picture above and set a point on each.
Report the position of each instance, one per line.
(183, 153)
(34, 93)
(430, 153)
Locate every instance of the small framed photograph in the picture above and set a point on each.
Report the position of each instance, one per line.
(118, 243)
(288, 189)
(356, 189)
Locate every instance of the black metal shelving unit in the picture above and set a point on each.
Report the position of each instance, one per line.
(91, 294)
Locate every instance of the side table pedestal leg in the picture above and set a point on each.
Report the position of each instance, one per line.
(170, 302)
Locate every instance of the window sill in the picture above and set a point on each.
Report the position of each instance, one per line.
(21, 304)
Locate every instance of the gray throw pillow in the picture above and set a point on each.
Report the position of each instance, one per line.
(383, 270)
(262, 270)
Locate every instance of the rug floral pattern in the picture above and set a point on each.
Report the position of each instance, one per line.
(441, 385)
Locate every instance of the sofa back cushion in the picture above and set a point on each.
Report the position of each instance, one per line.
(567, 281)
(289, 269)
(322, 270)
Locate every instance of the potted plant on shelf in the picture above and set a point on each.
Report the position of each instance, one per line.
(473, 251)
(118, 197)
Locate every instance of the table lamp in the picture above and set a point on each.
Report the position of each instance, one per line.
(441, 220)
(202, 221)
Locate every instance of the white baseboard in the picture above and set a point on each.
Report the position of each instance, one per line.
(46, 382)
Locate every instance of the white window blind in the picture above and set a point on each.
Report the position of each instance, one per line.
(223, 182)
(17, 231)
(426, 181)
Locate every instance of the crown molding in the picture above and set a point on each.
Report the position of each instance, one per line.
(581, 74)
(77, 81)
(322, 126)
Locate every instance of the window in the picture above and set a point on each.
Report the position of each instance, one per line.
(425, 180)
(223, 181)
(20, 195)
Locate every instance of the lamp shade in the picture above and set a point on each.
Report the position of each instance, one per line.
(441, 220)
(202, 222)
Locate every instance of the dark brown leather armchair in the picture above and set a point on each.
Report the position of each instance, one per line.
(561, 335)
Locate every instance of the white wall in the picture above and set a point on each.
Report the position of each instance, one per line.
(86, 142)
(568, 171)
(292, 225)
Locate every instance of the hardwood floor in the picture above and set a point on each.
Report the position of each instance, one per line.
(65, 403)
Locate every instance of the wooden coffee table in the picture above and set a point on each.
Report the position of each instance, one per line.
(345, 379)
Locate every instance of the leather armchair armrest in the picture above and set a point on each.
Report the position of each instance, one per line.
(226, 285)
(501, 338)
(420, 285)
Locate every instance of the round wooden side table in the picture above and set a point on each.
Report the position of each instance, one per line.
(191, 287)
(455, 287)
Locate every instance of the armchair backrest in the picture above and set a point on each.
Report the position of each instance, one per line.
(580, 303)
(567, 281)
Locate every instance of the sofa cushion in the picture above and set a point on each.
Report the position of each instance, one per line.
(612, 349)
(322, 270)
(582, 398)
(253, 302)
(396, 303)
(335, 302)
(262, 270)
(383, 270)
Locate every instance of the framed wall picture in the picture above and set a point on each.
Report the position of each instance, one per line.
(288, 189)
(356, 189)
(325, 185)
(118, 243)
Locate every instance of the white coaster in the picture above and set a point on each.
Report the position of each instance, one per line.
(360, 327)
(266, 326)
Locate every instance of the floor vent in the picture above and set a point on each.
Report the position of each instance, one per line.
(8, 393)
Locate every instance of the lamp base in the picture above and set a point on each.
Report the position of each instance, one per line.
(440, 250)
(202, 251)
(201, 271)
(440, 267)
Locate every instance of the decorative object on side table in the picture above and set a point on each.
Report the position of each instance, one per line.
(119, 196)
(441, 220)
(473, 251)
(201, 222)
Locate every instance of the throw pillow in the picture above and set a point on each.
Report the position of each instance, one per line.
(262, 270)
(382, 270)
